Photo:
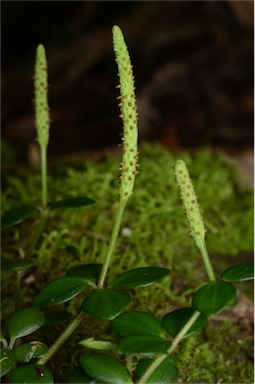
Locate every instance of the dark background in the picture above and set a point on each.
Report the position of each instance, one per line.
(193, 66)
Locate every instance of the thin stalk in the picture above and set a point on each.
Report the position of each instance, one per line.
(115, 232)
(172, 348)
(151, 369)
(44, 175)
(74, 324)
(61, 339)
(4, 342)
(37, 232)
(206, 259)
(183, 331)
(11, 343)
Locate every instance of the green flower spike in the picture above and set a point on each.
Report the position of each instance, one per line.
(42, 119)
(128, 114)
(129, 163)
(189, 201)
(192, 211)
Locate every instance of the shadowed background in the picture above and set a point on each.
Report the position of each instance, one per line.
(193, 66)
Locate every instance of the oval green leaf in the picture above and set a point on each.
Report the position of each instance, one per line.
(140, 277)
(106, 369)
(174, 321)
(106, 303)
(166, 372)
(7, 361)
(15, 217)
(137, 323)
(15, 265)
(31, 374)
(89, 272)
(240, 272)
(98, 344)
(34, 349)
(59, 291)
(145, 345)
(25, 322)
(71, 202)
(214, 297)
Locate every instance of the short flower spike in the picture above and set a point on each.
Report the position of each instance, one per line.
(189, 201)
(42, 119)
(128, 114)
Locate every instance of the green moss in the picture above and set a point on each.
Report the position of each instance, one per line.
(218, 355)
(154, 232)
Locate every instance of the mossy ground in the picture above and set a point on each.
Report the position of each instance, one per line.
(154, 233)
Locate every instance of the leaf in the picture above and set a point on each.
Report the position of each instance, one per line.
(174, 321)
(56, 316)
(89, 272)
(240, 272)
(71, 202)
(146, 345)
(106, 303)
(25, 322)
(15, 265)
(80, 376)
(166, 372)
(137, 323)
(106, 369)
(98, 344)
(60, 290)
(7, 361)
(31, 374)
(214, 297)
(15, 217)
(139, 277)
(34, 349)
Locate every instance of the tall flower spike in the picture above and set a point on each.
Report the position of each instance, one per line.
(128, 114)
(189, 201)
(42, 119)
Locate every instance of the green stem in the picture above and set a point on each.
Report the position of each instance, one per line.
(4, 342)
(73, 325)
(11, 343)
(206, 259)
(172, 348)
(151, 369)
(37, 233)
(183, 331)
(61, 339)
(115, 232)
(44, 175)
